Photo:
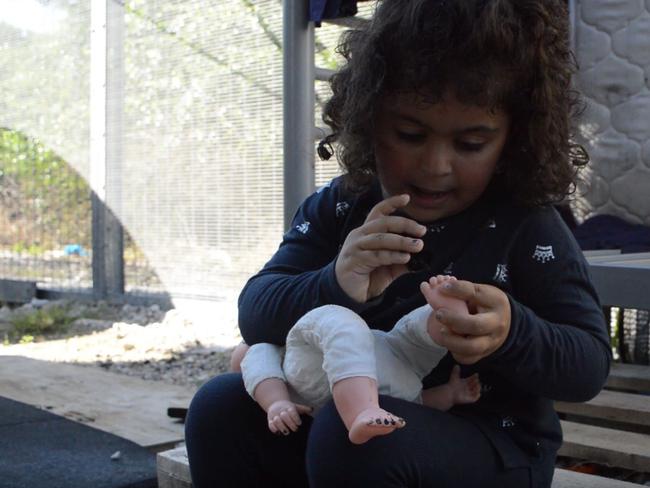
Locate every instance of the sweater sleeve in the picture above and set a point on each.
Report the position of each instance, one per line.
(558, 345)
(300, 275)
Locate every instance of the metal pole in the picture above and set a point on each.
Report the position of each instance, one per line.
(298, 105)
(106, 78)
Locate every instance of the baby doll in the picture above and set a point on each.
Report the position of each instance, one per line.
(331, 352)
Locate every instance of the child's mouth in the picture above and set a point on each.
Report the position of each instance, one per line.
(427, 197)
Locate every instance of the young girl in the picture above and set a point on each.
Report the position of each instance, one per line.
(465, 107)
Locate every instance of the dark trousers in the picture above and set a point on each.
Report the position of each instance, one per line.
(229, 445)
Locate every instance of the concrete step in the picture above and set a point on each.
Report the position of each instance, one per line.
(632, 377)
(612, 405)
(606, 446)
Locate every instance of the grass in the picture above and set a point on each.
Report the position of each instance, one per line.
(27, 326)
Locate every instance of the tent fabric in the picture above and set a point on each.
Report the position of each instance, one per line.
(330, 9)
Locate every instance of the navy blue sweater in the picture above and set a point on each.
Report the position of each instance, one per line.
(557, 348)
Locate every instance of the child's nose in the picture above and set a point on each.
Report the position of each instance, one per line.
(437, 160)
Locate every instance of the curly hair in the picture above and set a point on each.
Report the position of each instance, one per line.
(512, 55)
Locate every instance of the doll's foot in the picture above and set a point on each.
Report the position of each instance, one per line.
(373, 422)
(436, 299)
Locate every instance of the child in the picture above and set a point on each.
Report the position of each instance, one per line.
(465, 106)
(332, 352)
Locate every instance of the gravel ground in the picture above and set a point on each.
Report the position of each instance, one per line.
(184, 346)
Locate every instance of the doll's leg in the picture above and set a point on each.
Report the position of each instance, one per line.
(333, 345)
(431, 291)
(357, 402)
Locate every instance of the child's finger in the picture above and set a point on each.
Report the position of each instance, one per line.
(388, 206)
(392, 242)
(394, 224)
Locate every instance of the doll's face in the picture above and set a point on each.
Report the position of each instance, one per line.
(443, 155)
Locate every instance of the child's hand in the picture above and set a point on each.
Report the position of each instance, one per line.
(474, 336)
(376, 253)
(284, 416)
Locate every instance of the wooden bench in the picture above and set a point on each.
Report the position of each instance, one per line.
(174, 472)
(613, 428)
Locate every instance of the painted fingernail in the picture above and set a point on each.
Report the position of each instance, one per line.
(386, 422)
(393, 422)
(378, 421)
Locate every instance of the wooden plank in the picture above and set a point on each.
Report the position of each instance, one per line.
(617, 258)
(612, 405)
(564, 478)
(17, 291)
(122, 405)
(633, 377)
(173, 469)
(622, 286)
(600, 252)
(607, 446)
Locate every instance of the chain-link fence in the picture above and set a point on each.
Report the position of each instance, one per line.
(181, 138)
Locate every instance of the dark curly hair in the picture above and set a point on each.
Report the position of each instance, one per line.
(507, 54)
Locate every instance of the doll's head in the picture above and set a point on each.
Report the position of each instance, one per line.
(503, 56)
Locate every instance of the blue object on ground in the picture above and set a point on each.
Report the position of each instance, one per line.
(40, 449)
(74, 249)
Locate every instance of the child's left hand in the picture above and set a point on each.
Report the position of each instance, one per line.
(474, 336)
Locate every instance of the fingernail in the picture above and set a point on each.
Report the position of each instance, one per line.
(446, 285)
(285, 432)
(443, 330)
(438, 314)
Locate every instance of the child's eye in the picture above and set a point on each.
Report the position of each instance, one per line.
(470, 146)
(410, 136)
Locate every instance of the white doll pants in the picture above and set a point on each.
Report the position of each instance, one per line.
(331, 343)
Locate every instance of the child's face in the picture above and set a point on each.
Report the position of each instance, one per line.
(443, 155)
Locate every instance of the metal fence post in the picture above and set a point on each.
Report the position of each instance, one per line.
(106, 99)
(298, 105)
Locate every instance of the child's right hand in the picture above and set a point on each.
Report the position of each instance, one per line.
(284, 416)
(376, 253)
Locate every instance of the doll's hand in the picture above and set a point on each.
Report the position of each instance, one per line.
(376, 253)
(474, 336)
(284, 416)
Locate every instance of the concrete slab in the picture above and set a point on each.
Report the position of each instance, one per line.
(129, 407)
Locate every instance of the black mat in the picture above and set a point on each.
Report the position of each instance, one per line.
(40, 449)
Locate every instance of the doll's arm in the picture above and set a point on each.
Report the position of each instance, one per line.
(265, 382)
(455, 392)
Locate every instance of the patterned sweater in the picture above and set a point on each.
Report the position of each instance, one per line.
(557, 348)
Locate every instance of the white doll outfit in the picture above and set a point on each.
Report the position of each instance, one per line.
(331, 343)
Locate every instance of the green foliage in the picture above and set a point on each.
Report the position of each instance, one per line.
(47, 321)
(44, 203)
